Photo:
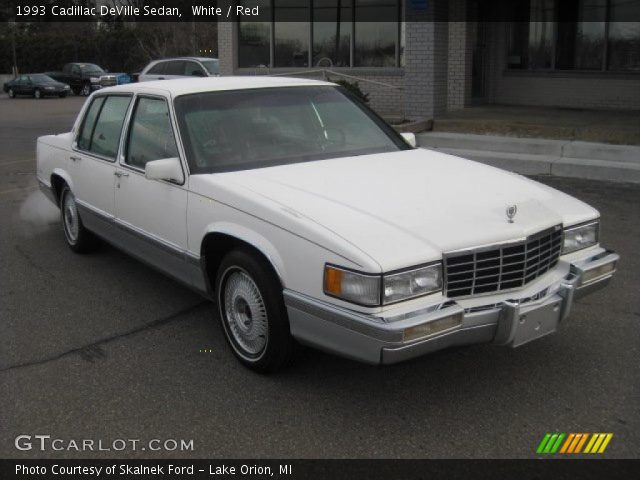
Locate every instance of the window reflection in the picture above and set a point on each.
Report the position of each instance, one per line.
(581, 42)
(375, 43)
(254, 38)
(291, 38)
(624, 37)
(332, 33)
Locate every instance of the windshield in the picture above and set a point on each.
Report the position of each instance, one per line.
(42, 78)
(245, 129)
(211, 66)
(91, 68)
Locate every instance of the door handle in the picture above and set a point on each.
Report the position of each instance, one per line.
(74, 158)
(121, 174)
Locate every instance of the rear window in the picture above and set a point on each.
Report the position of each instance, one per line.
(211, 66)
(102, 136)
(84, 139)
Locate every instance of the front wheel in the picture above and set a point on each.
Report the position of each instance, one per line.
(252, 312)
(79, 239)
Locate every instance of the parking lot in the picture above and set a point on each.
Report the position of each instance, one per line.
(102, 347)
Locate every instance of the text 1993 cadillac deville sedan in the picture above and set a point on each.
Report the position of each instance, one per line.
(306, 217)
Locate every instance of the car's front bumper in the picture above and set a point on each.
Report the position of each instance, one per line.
(513, 321)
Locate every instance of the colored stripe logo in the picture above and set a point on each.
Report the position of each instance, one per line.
(574, 443)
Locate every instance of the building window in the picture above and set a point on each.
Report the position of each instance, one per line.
(332, 22)
(581, 35)
(623, 52)
(329, 36)
(254, 39)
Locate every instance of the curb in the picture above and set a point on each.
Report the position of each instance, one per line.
(533, 156)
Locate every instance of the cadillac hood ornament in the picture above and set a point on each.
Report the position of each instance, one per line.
(511, 212)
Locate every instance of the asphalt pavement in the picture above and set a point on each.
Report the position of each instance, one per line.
(102, 347)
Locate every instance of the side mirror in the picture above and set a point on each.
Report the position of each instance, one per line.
(410, 138)
(165, 169)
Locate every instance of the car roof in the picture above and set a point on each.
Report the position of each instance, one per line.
(185, 86)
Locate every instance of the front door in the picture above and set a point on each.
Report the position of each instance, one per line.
(152, 211)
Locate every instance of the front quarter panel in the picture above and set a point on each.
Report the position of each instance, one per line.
(297, 256)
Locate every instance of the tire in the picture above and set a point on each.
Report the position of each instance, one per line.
(11, 93)
(79, 239)
(75, 90)
(62, 95)
(37, 93)
(252, 312)
(85, 91)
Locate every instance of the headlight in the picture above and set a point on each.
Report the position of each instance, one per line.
(351, 286)
(375, 290)
(412, 283)
(580, 236)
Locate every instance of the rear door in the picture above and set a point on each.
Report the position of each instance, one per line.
(93, 161)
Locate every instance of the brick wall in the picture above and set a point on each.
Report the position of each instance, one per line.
(227, 47)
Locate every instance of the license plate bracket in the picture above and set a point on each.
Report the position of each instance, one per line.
(535, 321)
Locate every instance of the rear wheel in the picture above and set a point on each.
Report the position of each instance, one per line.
(11, 93)
(85, 91)
(252, 312)
(79, 239)
(37, 93)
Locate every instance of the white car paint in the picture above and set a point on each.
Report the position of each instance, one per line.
(373, 213)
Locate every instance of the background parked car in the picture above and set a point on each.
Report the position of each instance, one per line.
(180, 67)
(83, 78)
(37, 85)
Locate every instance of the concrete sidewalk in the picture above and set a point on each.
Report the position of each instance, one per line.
(535, 156)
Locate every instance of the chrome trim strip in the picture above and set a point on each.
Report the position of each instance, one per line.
(158, 242)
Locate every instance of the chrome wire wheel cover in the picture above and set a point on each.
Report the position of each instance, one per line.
(245, 313)
(70, 218)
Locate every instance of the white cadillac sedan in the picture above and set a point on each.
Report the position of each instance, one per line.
(306, 218)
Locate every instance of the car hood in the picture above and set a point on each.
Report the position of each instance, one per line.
(408, 207)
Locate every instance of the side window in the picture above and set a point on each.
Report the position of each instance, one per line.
(158, 68)
(192, 69)
(106, 134)
(84, 138)
(75, 70)
(150, 134)
(175, 67)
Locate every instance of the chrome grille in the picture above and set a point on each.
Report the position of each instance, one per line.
(502, 267)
